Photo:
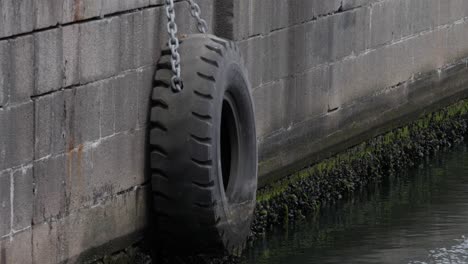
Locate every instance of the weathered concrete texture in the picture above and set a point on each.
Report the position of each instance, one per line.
(74, 100)
(4, 73)
(23, 198)
(18, 250)
(25, 16)
(16, 17)
(85, 231)
(316, 71)
(81, 236)
(5, 203)
(16, 135)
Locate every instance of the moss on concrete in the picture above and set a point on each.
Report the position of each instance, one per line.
(303, 192)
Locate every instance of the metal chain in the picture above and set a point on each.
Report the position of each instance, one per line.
(195, 11)
(176, 80)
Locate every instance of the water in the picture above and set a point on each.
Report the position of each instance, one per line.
(418, 217)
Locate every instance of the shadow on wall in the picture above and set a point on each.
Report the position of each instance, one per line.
(223, 18)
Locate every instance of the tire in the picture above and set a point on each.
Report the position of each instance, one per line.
(203, 150)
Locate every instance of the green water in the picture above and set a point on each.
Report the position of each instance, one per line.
(418, 217)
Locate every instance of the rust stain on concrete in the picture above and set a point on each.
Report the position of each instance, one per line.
(77, 10)
(79, 160)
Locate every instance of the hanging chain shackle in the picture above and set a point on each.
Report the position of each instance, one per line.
(173, 42)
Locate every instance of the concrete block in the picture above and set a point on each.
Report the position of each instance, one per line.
(145, 87)
(120, 220)
(6, 18)
(311, 94)
(367, 74)
(394, 20)
(152, 40)
(52, 125)
(284, 53)
(16, 17)
(324, 8)
(253, 52)
(459, 37)
(450, 11)
(85, 117)
(48, 60)
(46, 243)
(104, 178)
(298, 49)
(22, 198)
(307, 10)
(47, 13)
(78, 10)
(349, 4)
(385, 16)
(452, 42)
(282, 15)
(346, 83)
(128, 5)
(401, 24)
(67, 119)
(156, 2)
(318, 42)
(99, 49)
(80, 170)
(420, 20)
(274, 105)
(70, 55)
(110, 6)
(267, 16)
(131, 39)
(126, 96)
(18, 249)
(232, 19)
(5, 203)
(349, 33)
(107, 104)
(16, 135)
(50, 198)
(4, 71)
(118, 164)
(434, 43)
(22, 69)
(259, 17)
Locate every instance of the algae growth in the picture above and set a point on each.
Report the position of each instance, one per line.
(302, 193)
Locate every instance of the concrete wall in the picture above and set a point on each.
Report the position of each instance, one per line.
(75, 80)
(329, 73)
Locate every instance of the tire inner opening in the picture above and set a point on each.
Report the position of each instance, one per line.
(229, 142)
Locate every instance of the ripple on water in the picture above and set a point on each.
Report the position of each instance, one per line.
(419, 217)
(456, 254)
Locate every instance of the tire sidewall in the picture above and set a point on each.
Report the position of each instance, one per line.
(237, 203)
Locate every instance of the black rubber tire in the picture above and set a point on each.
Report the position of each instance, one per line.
(197, 134)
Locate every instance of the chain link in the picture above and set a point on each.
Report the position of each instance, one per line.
(176, 79)
(195, 11)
